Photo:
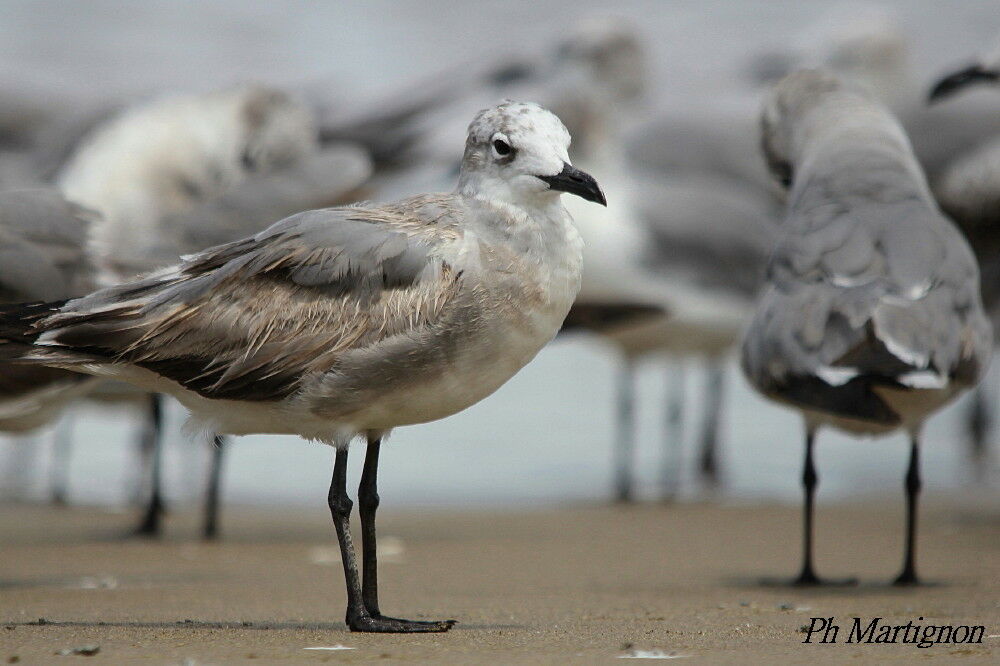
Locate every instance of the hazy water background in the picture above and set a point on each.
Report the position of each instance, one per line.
(546, 435)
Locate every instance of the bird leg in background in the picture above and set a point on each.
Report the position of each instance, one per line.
(152, 444)
(62, 450)
(625, 446)
(358, 618)
(809, 482)
(708, 459)
(912, 485)
(980, 425)
(673, 442)
(210, 529)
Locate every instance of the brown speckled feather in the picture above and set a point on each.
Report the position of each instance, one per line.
(250, 319)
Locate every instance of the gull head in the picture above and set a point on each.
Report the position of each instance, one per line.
(788, 103)
(278, 129)
(516, 153)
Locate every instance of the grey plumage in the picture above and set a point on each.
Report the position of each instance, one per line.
(333, 176)
(298, 310)
(870, 287)
(339, 323)
(347, 257)
(871, 319)
(42, 257)
(702, 223)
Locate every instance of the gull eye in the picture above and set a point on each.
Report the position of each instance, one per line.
(501, 147)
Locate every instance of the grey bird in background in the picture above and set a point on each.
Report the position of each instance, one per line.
(348, 322)
(42, 258)
(968, 189)
(185, 172)
(871, 319)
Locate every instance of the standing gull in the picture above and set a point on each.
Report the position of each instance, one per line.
(871, 319)
(348, 322)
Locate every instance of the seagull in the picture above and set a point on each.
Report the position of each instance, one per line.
(341, 323)
(178, 174)
(871, 319)
(42, 257)
(968, 189)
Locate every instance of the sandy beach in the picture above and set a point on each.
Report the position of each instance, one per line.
(586, 584)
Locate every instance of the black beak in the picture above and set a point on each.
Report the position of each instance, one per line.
(574, 181)
(952, 83)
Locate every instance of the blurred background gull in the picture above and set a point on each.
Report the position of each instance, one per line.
(680, 163)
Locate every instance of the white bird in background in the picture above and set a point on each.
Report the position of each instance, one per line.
(164, 157)
(871, 320)
(348, 322)
(671, 232)
(182, 173)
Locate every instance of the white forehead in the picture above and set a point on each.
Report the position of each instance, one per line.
(523, 123)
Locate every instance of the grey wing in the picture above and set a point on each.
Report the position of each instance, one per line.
(724, 143)
(26, 273)
(395, 130)
(249, 319)
(712, 231)
(943, 132)
(851, 305)
(44, 245)
(332, 176)
(969, 192)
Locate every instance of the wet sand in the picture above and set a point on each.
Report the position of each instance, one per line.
(578, 584)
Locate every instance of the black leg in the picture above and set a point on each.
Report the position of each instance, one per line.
(708, 460)
(674, 434)
(62, 450)
(358, 617)
(980, 425)
(809, 482)
(210, 530)
(908, 576)
(624, 491)
(368, 501)
(153, 442)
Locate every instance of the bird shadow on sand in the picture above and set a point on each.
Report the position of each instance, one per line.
(847, 587)
(208, 624)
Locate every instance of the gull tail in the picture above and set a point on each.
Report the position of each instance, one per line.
(18, 331)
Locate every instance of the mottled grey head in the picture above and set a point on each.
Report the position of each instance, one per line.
(516, 152)
(788, 103)
(279, 128)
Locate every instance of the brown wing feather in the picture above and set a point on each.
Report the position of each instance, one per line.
(250, 319)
